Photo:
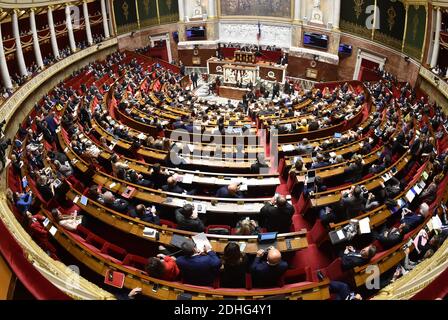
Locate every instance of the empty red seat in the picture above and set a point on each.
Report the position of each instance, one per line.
(218, 229)
(135, 262)
(113, 252)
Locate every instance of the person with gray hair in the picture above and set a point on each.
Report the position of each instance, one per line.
(411, 220)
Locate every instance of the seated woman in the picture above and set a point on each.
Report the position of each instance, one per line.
(69, 222)
(247, 227)
(163, 267)
(234, 267)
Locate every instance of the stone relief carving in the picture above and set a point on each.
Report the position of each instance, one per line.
(279, 36)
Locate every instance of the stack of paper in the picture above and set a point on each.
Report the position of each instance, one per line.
(187, 178)
(201, 241)
(288, 147)
(149, 232)
(364, 225)
(410, 195)
(340, 234)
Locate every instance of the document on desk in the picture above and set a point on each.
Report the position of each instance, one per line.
(410, 195)
(364, 225)
(53, 230)
(188, 178)
(150, 233)
(436, 223)
(288, 147)
(201, 241)
(340, 234)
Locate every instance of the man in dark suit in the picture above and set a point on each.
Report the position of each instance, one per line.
(172, 186)
(284, 59)
(158, 178)
(352, 203)
(230, 191)
(198, 266)
(353, 258)
(260, 163)
(187, 219)
(194, 79)
(276, 215)
(267, 268)
(276, 90)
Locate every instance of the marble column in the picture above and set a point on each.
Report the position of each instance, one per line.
(181, 10)
(71, 35)
(297, 10)
(211, 11)
(105, 23)
(36, 46)
(19, 52)
(436, 48)
(336, 13)
(6, 79)
(54, 41)
(87, 22)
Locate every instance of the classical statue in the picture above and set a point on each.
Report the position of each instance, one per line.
(316, 4)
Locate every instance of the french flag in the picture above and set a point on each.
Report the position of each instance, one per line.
(259, 31)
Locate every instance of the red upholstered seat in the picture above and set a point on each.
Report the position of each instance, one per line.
(310, 257)
(95, 241)
(295, 275)
(318, 233)
(217, 226)
(334, 271)
(135, 262)
(113, 251)
(168, 223)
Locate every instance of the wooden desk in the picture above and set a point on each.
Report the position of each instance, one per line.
(232, 92)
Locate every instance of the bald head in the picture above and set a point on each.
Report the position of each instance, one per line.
(281, 201)
(171, 181)
(274, 257)
(233, 188)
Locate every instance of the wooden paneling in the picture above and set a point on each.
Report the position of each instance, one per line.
(7, 280)
(297, 67)
(186, 56)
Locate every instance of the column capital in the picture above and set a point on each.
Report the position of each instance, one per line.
(50, 7)
(32, 9)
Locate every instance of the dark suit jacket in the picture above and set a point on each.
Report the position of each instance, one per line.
(276, 219)
(199, 270)
(353, 259)
(194, 225)
(265, 275)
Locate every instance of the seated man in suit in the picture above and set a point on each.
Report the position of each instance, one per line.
(268, 268)
(157, 177)
(198, 266)
(172, 186)
(411, 220)
(187, 219)
(146, 214)
(230, 191)
(276, 215)
(354, 258)
(260, 163)
(352, 203)
(390, 237)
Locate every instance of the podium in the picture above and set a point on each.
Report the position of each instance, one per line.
(243, 56)
(238, 73)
